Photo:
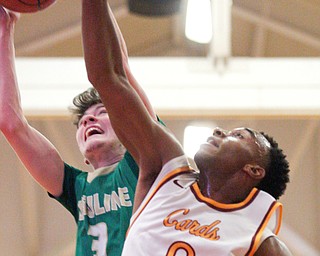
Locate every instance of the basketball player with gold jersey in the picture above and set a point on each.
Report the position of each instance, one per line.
(229, 207)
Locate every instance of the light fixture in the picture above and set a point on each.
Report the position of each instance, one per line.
(220, 46)
(199, 21)
(194, 136)
(154, 7)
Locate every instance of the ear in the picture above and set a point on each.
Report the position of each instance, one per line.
(86, 162)
(254, 171)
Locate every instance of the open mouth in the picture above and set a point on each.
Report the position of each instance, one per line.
(212, 141)
(92, 131)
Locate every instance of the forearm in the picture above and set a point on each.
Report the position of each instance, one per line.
(105, 50)
(102, 50)
(10, 106)
(132, 80)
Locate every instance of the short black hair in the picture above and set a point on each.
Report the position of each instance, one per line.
(277, 171)
(82, 102)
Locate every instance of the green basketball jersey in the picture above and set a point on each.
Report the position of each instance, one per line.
(102, 207)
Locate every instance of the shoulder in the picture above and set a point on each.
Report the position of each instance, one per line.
(71, 168)
(273, 246)
(128, 164)
(71, 172)
(127, 158)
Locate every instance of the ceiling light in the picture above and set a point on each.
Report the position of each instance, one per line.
(221, 20)
(199, 21)
(154, 7)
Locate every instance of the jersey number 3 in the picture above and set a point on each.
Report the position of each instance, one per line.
(99, 245)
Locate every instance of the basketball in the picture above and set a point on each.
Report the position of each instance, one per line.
(26, 6)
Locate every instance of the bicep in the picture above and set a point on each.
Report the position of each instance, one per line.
(39, 156)
(272, 246)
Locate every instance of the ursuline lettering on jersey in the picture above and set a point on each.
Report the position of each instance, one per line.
(91, 205)
(177, 220)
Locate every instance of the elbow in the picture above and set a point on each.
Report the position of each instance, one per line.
(93, 77)
(10, 125)
(4, 125)
(98, 78)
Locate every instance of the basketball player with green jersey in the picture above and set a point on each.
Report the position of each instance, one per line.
(101, 200)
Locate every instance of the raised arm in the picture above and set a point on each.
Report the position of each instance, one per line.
(105, 62)
(134, 83)
(150, 144)
(94, 71)
(37, 154)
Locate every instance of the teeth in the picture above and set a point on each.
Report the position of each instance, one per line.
(91, 129)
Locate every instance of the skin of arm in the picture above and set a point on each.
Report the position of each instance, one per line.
(272, 246)
(134, 83)
(37, 154)
(150, 144)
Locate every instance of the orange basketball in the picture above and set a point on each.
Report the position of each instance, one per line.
(25, 6)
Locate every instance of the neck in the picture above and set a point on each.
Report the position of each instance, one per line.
(99, 162)
(226, 191)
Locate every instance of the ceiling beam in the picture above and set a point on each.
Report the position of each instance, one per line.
(259, 35)
(69, 31)
(191, 86)
(277, 26)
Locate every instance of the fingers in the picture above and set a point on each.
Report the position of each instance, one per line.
(14, 16)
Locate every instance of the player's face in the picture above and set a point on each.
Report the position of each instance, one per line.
(95, 133)
(229, 151)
